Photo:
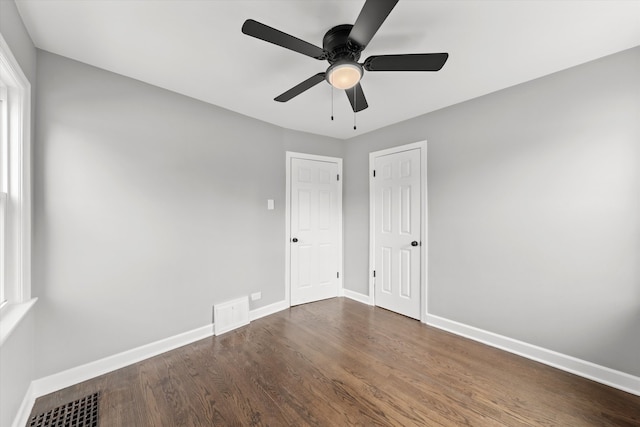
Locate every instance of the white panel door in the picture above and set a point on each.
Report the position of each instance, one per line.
(315, 210)
(397, 245)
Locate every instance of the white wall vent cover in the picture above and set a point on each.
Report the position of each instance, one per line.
(230, 315)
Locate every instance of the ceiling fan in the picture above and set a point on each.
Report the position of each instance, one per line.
(341, 47)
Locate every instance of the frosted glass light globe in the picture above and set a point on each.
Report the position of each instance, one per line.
(344, 75)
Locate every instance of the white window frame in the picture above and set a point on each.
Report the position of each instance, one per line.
(3, 222)
(15, 169)
(4, 124)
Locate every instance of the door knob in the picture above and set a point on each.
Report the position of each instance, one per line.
(294, 240)
(414, 243)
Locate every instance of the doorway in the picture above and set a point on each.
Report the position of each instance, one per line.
(398, 238)
(314, 228)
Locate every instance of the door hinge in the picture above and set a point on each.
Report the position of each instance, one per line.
(338, 274)
(374, 173)
(338, 177)
(374, 273)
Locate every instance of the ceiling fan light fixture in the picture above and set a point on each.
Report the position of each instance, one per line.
(344, 74)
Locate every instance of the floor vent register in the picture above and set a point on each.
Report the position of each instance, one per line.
(79, 413)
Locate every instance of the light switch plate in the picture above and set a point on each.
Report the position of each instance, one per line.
(270, 204)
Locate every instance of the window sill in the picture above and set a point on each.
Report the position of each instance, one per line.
(11, 315)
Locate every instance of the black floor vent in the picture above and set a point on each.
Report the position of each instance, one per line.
(79, 413)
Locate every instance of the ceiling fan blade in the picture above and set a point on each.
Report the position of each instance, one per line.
(356, 98)
(371, 17)
(264, 32)
(298, 89)
(409, 62)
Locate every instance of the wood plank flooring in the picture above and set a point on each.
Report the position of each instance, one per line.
(337, 363)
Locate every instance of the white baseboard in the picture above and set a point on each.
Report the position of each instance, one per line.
(81, 373)
(357, 296)
(268, 309)
(583, 368)
(22, 417)
(55, 382)
(69, 377)
(63, 379)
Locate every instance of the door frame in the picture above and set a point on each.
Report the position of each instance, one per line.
(287, 240)
(422, 146)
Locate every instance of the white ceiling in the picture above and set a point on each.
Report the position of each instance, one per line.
(196, 48)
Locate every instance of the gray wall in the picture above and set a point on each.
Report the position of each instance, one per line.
(534, 210)
(150, 207)
(16, 354)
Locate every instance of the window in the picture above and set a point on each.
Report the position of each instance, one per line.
(15, 191)
(3, 187)
(3, 216)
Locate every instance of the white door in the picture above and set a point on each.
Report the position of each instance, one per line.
(315, 226)
(397, 231)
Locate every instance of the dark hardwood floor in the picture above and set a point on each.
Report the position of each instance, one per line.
(338, 362)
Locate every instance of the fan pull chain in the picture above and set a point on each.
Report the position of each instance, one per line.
(331, 102)
(355, 105)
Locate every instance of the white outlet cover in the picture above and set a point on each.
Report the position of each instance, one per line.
(270, 204)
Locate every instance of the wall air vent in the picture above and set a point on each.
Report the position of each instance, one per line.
(230, 315)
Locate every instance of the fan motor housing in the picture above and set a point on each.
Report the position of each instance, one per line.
(336, 43)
